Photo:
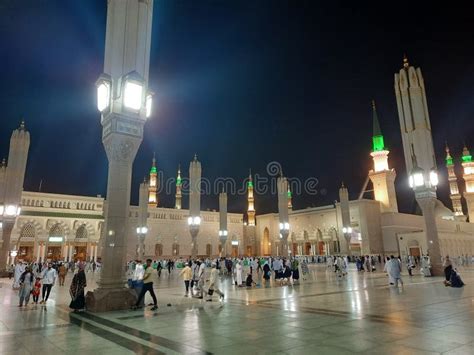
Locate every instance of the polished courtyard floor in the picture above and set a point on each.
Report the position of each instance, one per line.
(324, 315)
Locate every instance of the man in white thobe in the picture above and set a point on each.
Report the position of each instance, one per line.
(19, 269)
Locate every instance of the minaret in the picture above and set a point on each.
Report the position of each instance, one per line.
(194, 219)
(153, 187)
(142, 228)
(223, 232)
(290, 195)
(468, 167)
(345, 215)
(381, 176)
(250, 199)
(13, 186)
(453, 185)
(284, 225)
(178, 195)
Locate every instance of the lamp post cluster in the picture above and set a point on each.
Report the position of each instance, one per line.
(284, 225)
(193, 223)
(125, 102)
(194, 219)
(12, 177)
(8, 215)
(424, 185)
(141, 234)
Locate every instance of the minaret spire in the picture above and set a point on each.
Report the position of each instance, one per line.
(453, 184)
(178, 195)
(382, 176)
(250, 200)
(290, 195)
(468, 175)
(153, 186)
(377, 137)
(379, 153)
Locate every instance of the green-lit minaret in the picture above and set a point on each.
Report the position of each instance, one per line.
(178, 195)
(381, 176)
(379, 153)
(453, 184)
(153, 186)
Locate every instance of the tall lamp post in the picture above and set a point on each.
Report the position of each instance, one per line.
(223, 222)
(424, 185)
(142, 228)
(141, 234)
(415, 128)
(125, 103)
(345, 216)
(194, 219)
(8, 213)
(347, 232)
(11, 188)
(284, 224)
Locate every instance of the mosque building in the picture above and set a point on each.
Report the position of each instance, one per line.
(66, 227)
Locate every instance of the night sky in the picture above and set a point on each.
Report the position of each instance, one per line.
(242, 83)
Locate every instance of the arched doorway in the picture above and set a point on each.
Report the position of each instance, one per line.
(158, 249)
(235, 251)
(414, 248)
(208, 249)
(294, 249)
(80, 248)
(27, 242)
(55, 240)
(266, 242)
(249, 250)
(175, 249)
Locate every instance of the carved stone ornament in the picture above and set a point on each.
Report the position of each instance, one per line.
(121, 150)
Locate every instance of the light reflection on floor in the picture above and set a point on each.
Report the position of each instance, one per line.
(359, 313)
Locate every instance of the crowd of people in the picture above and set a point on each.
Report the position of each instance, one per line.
(35, 280)
(201, 276)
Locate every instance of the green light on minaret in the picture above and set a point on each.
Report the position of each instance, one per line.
(289, 194)
(378, 143)
(466, 155)
(178, 181)
(153, 170)
(377, 138)
(449, 161)
(250, 183)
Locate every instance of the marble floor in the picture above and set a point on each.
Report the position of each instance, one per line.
(360, 314)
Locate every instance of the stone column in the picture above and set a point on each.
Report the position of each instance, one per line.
(124, 102)
(282, 185)
(112, 293)
(142, 218)
(38, 250)
(223, 233)
(6, 237)
(65, 252)
(427, 204)
(194, 219)
(71, 252)
(121, 152)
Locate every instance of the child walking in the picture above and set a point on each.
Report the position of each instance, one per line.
(36, 290)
